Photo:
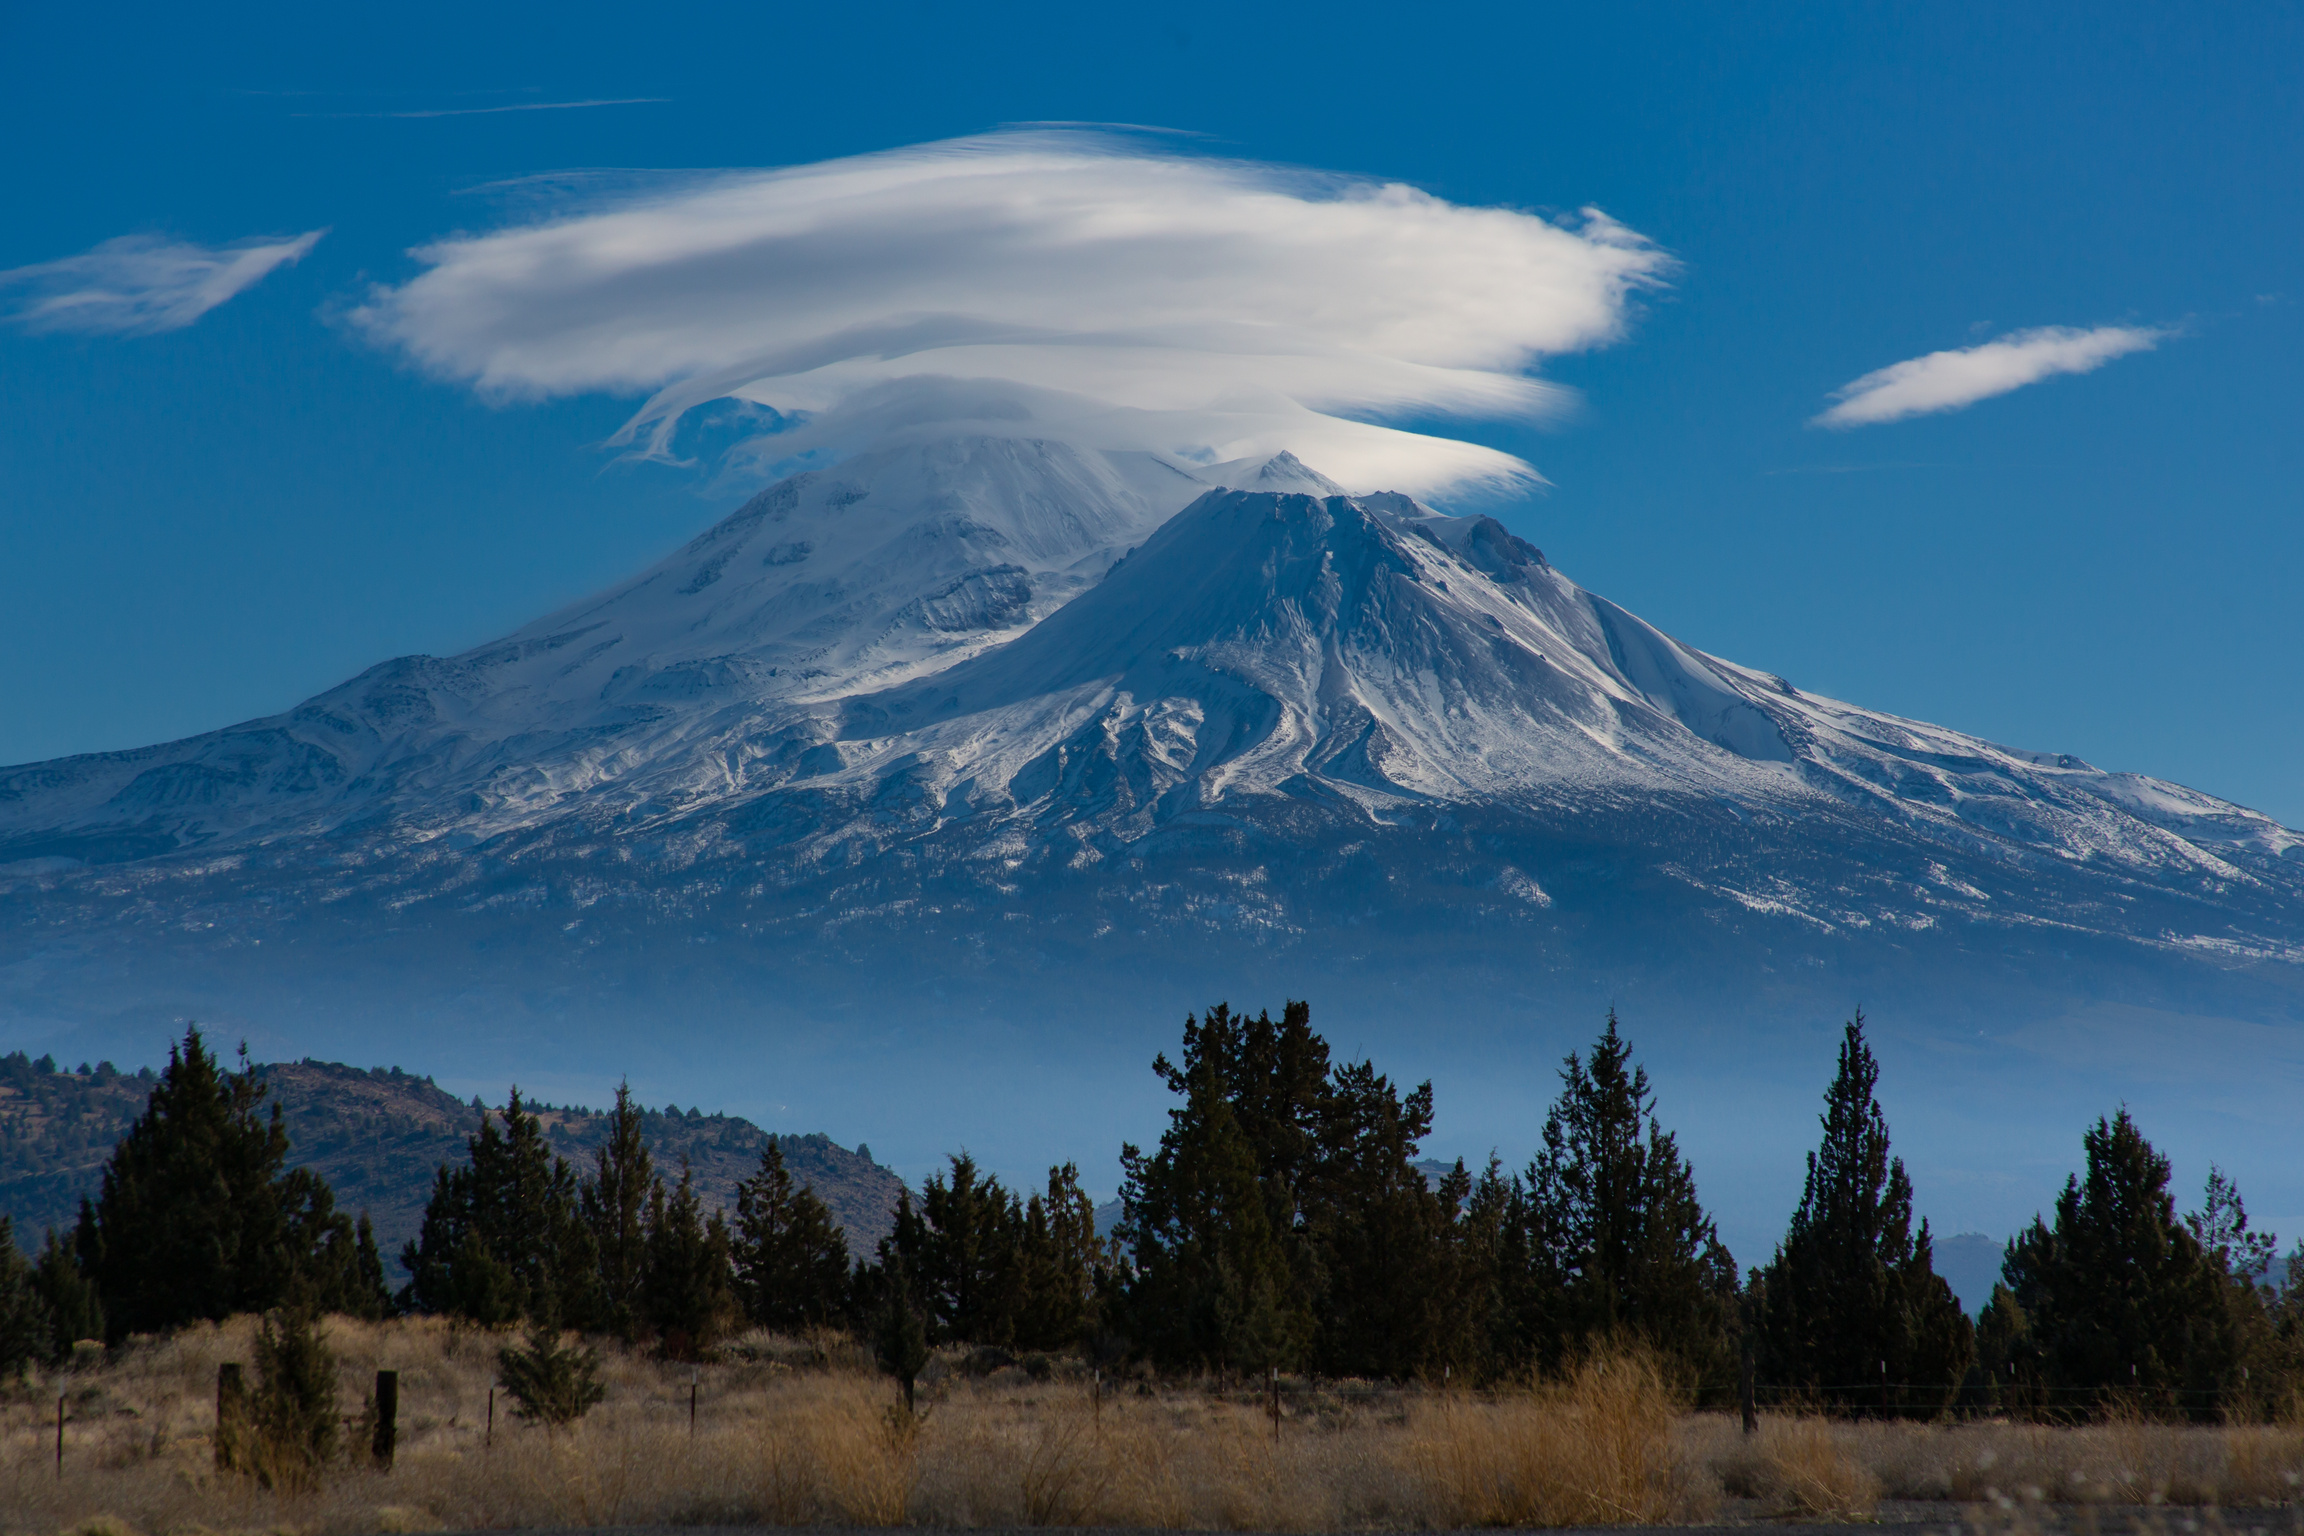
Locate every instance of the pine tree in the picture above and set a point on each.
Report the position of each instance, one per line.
(2119, 1301)
(551, 1383)
(1209, 1281)
(1506, 1309)
(195, 1217)
(1389, 1302)
(1616, 1227)
(1061, 1258)
(74, 1310)
(963, 1251)
(688, 1293)
(615, 1205)
(27, 1327)
(900, 1337)
(294, 1411)
(790, 1259)
(502, 1238)
(1851, 1302)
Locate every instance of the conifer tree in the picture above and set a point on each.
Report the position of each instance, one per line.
(1617, 1228)
(1061, 1257)
(1851, 1308)
(2117, 1298)
(1389, 1302)
(1210, 1283)
(615, 1204)
(294, 1412)
(195, 1217)
(790, 1259)
(963, 1251)
(550, 1382)
(900, 1335)
(27, 1327)
(502, 1238)
(687, 1290)
(1506, 1312)
(74, 1310)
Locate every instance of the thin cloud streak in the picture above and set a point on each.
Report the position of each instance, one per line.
(524, 106)
(1058, 283)
(140, 285)
(1951, 381)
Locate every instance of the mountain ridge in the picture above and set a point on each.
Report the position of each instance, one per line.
(802, 827)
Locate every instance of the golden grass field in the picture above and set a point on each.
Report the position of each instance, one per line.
(792, 1432)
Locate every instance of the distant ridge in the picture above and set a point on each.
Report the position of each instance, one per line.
(377, 1135)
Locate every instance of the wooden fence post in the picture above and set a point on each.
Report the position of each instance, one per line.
(387, 1439)
(231, 1416)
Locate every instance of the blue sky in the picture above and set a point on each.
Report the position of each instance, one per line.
(208, 523)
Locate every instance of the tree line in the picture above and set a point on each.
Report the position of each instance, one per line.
(1281, 1223)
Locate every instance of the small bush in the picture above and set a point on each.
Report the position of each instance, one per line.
(294, 1413)
(551, 1383)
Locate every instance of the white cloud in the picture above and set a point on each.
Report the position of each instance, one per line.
(1949, 381)
(140, 284)
(1051, 282)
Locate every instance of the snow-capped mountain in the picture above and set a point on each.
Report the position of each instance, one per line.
(978, 724)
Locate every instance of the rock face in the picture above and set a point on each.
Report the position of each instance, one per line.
(974, 730)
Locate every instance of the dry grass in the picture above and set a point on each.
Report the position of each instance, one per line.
(794, 1432)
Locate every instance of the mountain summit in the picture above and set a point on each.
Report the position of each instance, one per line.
(968, 730)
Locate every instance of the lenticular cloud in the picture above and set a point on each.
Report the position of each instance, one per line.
(140, 285)
(1054, 283)
(1951, 381)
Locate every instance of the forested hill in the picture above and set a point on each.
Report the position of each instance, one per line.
(376, 1137)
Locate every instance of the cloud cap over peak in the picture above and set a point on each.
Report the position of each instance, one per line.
(1954, 380)
(139, 285)
(1109, 285)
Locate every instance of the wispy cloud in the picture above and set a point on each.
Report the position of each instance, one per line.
(141, 284)
(1098, 287)
(1951, 381)
(523, 106)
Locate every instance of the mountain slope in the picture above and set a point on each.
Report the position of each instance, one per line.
(376, 1137)
(937, 827)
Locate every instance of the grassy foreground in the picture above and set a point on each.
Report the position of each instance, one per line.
(795, 1432)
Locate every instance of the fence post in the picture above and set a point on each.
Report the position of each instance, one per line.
(231, 1415)
(1747, 1392)
(1883, 1389)
(59, 1437)
(1275, 1405)
(694, 1376)
(387, 1438)
(489, 1439)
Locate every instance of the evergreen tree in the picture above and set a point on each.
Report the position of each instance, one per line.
(900, 1337)
(1507, 1309)
(1851, 1302)
(1617, 1232)
(963, 1250)
(294, 1412)
(791, 1260)
(502, 1237)
(2117, 1298)
(27, 1327)
(687, 1290)
(194, 1217)
(1061, 1257)
(551, 1383)
(615, 1206)
(74, 1310)
(1209, 1281)
(1388, 1302)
